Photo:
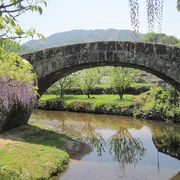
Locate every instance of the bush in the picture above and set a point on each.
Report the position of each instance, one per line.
(99, 90)
(160, 104)
(77, 106)
(86, 107)
(58, 105)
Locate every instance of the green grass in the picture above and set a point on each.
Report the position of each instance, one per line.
(97, 100)
(37, 154)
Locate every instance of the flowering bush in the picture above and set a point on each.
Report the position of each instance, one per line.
(16, 81)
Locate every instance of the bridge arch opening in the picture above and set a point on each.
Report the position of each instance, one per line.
(49, 80)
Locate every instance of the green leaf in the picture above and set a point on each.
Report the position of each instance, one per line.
(18, 30)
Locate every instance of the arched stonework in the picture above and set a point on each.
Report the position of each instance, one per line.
(54, 63)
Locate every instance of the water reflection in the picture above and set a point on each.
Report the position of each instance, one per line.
(125, 148)
(121, 145)
(84, 132)
(131, 147)
(167, 140)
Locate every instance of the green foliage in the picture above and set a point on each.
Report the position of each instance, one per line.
(9, 45)
(103, 104)
(16, 77)
(10, 11)
(14, 67)
(64, 84)
(17, 82)
(161, 38)
(163, 102)
(178, 44)
(87, 79)
(123, 78)
(94, 81)
(135, 89)
(97, 100)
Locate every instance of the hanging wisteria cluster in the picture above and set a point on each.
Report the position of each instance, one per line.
(16, 92)
(154, 13)
(17, 84)
(134, 14)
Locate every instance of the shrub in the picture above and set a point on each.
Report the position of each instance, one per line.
(79, 106)
(99, 90)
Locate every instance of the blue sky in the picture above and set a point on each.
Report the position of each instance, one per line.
(66, 15)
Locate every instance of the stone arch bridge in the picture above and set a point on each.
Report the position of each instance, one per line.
(55, 63)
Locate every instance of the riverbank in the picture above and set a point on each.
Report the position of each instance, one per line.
(98, 104)
(130, 105)
(35, 152)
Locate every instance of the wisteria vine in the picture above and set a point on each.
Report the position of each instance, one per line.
(17, 82)
(16, 92)
(134, 14)
(154, 13)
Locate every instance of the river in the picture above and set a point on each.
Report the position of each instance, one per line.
(122, 147)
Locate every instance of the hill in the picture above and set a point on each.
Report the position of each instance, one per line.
(81, 36)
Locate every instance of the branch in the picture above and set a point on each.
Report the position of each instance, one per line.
(12, 4)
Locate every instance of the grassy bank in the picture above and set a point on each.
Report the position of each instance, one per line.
(31, 152)
(141, 106)
(100, 104)
(95, 100)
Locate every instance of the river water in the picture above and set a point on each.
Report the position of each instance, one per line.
(122, 147)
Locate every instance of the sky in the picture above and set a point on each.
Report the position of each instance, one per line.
(67, 15)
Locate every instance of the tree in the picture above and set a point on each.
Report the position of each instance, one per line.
(122, 78)
(17, 82)
(64, 84)
(161, 38)
(10, 10)
(87, 79)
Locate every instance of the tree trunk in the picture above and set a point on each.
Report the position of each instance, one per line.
(61, 93)
(121, 96)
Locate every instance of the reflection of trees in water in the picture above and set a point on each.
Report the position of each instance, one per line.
(85, 133)
(122, 145)
(167, 141)
(125, 148)
(93, 138)
(166, 137)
